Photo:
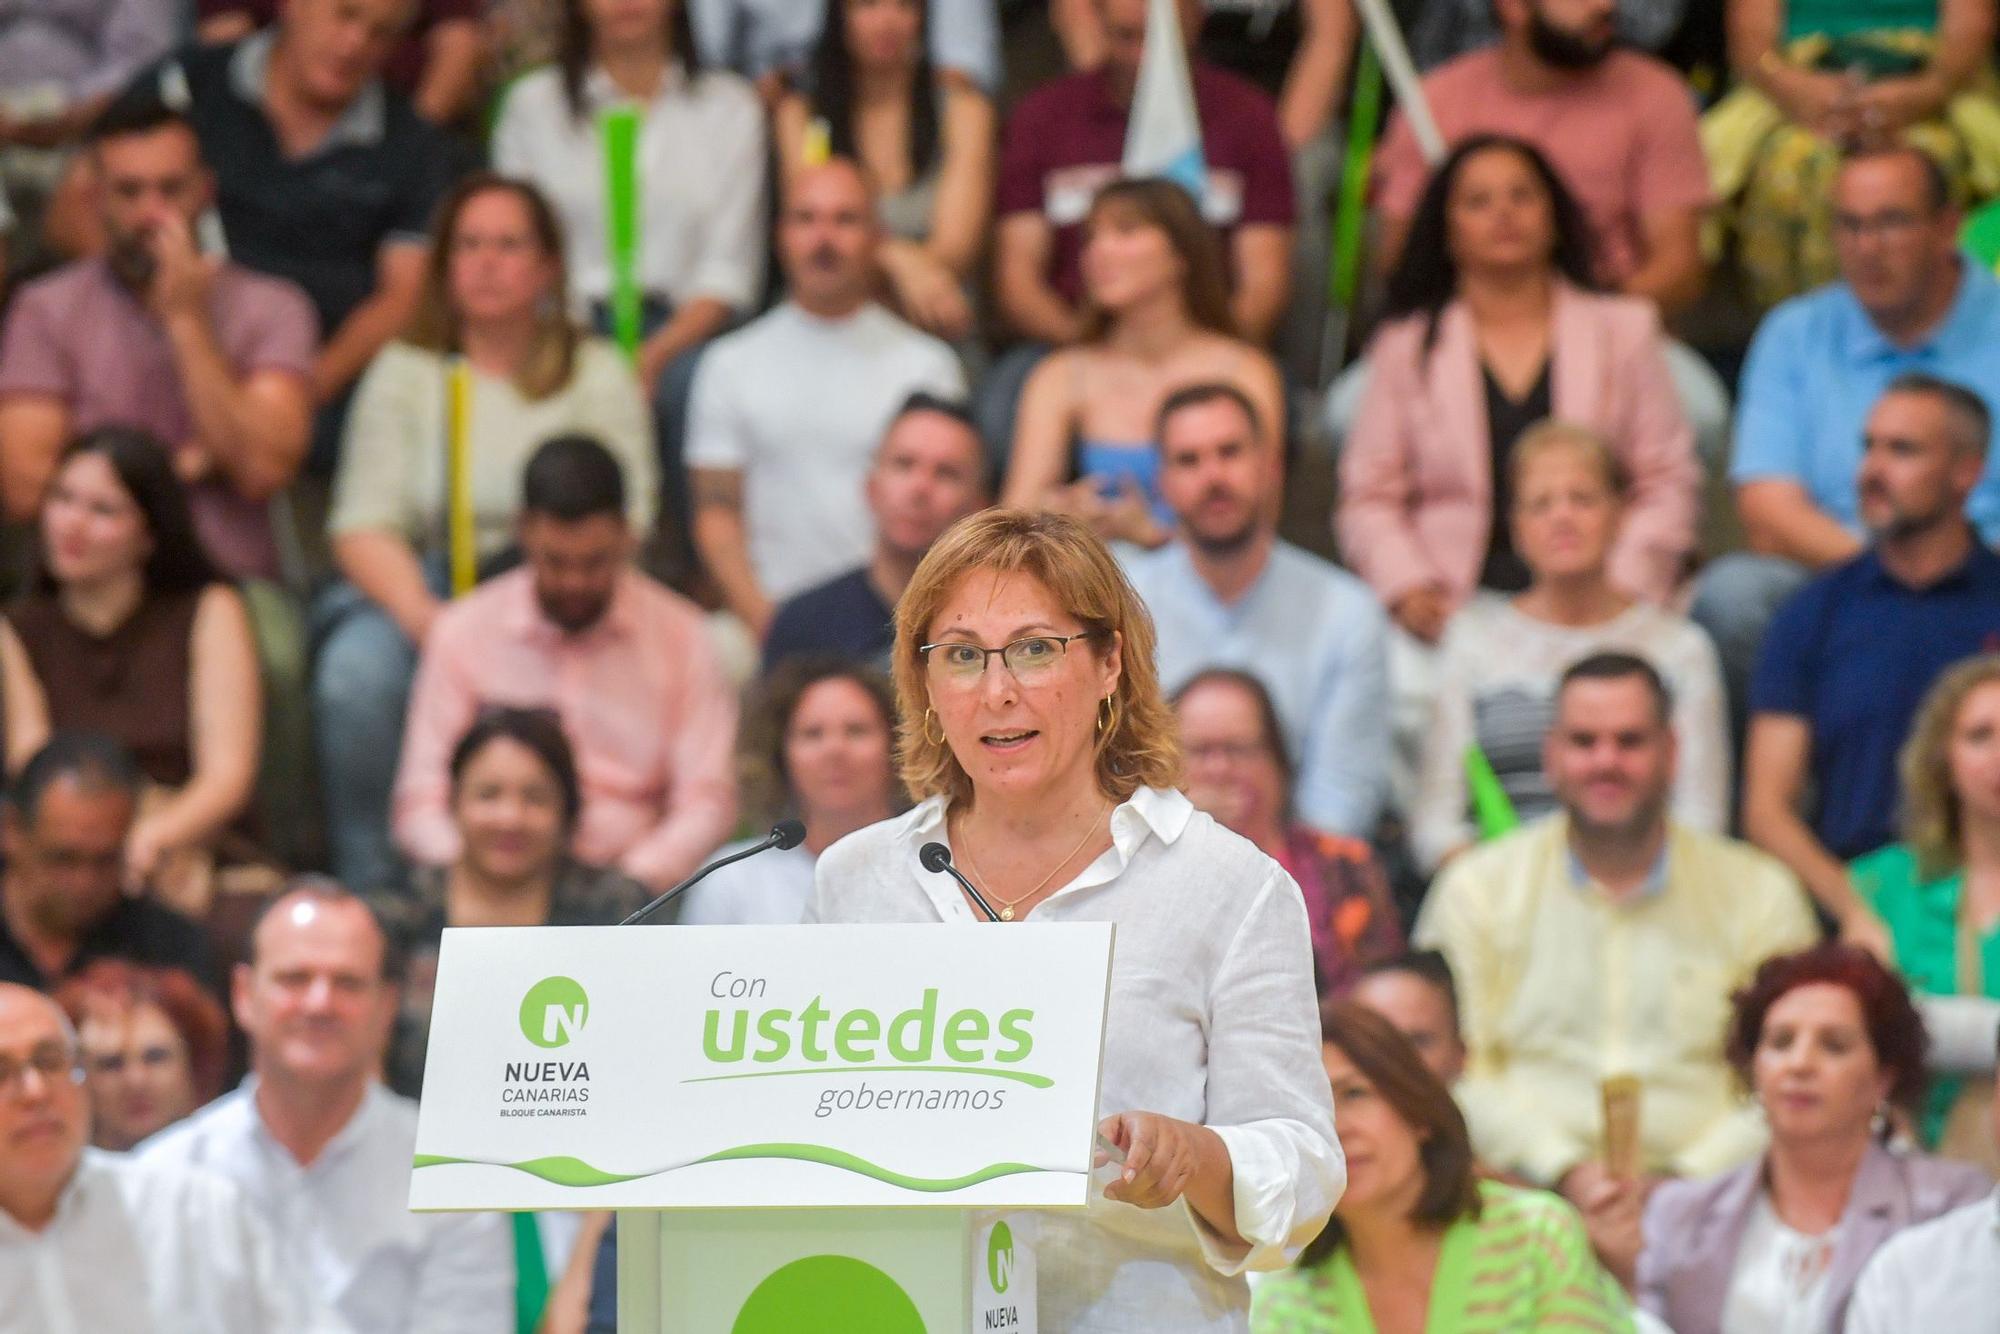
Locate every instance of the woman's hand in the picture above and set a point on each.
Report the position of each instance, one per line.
(1862, 927)
(1162, 1157)
(1884, 110)
(927, 291)
(1822, 103)
(144, 847)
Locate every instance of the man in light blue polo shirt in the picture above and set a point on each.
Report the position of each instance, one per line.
(1228, 593)
(1907, 301)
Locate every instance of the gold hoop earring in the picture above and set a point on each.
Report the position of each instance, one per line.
(1107, 715)
(937, 740)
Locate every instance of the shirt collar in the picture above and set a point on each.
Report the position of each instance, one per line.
(521, 615)
(1979, 561)
(364, 122)
(600, 92)
(1976, 291)
(336, 1148)
(1654, 885)
(83, 1182)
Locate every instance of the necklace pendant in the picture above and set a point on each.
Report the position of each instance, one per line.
(1006, 914)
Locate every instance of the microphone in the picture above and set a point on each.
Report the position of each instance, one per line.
(937, 857)
(784, 834)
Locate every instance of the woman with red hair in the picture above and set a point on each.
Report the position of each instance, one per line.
(155, 1047)
(1829, 1043)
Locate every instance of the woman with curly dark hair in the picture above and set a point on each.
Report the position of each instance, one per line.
(1830, 1044)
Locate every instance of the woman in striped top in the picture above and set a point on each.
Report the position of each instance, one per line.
(1418, 1242)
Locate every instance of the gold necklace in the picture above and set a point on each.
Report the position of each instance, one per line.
(1007, 905)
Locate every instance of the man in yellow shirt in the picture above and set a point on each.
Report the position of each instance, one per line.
(1604, 940)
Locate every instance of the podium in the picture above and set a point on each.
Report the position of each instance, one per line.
(828, 1128)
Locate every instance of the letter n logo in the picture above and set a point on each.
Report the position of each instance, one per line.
(1000, 1257)
(554, 1011)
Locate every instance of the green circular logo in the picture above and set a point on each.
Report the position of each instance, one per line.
(554, 1011)
(1000, 1257)
(829, 1294)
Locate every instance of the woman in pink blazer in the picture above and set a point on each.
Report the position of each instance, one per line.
(1492, 326)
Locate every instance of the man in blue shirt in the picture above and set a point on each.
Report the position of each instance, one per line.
(1849, 658)
(1907, 301)
(1228, 593)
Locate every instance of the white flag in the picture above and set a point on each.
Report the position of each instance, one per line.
(1163, 136)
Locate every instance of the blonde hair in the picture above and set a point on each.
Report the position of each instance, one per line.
(1139, 744)
(1933, 825)
(1553, 434)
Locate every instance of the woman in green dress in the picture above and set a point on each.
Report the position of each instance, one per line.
(1938, 892)
(1419, 1244)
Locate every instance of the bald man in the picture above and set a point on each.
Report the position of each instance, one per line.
(96, 1241)
(322, 1150)
(787, 411)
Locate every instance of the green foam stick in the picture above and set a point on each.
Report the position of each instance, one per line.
(618, 128)
(1491, 809)
(1365, 113)
(531, 1275)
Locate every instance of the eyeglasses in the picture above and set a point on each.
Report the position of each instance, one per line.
(52, 1060)
(961, 664)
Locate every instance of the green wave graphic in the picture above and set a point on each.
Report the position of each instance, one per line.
(567, 1171)
(1029, 1078)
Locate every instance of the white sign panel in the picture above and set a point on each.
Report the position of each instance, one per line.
(750, 1067)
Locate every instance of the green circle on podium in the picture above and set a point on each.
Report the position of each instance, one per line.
(829, 1294)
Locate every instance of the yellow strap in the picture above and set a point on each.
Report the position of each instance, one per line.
(458, 440)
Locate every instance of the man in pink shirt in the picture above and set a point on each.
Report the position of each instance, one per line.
(1619, 126)
(627, 665)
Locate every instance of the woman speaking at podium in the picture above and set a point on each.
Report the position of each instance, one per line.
(1035, 738)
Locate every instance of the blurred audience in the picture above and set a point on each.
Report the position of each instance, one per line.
(1619, 127)
(818, 745)
(63, 889)
(488, 369)
(306, 142)
(1240, 771)
(1937, 893)
(1501, 656)
(771, 41)
(1418, 1240)
(1229, 593)
(1847, 659)
(1604, 940)
(100, 1241)
(1906, 301)
(155, 1047)
(1064, 142)
(201, 353)
(1155, 319)
(1830, 1046)
(133, 633)
(625, 663)
(1814, 77)
(929, 472)
(1444, 29)
(435, 61)
(515, 801)
(871, 93)
(1416, 993)
(321, 1149)
(778, 478)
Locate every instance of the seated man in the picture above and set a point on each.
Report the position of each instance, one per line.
(1849, 658)
(436, 63)
(206, 355)
(1416, 993)
(1906, 301)
(929, 473)
(63, 899)
(1605, 940)
(1229, 593)
(95, 1241)
(627, 664)
(788, 409)
(321, 1150)
(323, 175)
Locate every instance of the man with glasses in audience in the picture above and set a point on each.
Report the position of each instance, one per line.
(94, 1241)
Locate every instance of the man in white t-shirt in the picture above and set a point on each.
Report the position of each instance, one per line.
(787, 411)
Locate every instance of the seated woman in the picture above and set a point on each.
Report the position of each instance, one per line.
(515, 797)
(1157, 318)
(429, 479)
(870, 93)
(130, 632)
(1938, 892)
(1814, 77)
(1419, 1241)
(1502, 656)
(155, 1047)
(818, 743)
(1829, 1044)
(1238, 772)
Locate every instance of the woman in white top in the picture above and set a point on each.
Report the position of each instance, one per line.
(817, 742)
(1502, 655)
(1034, 733)
(490, 312)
